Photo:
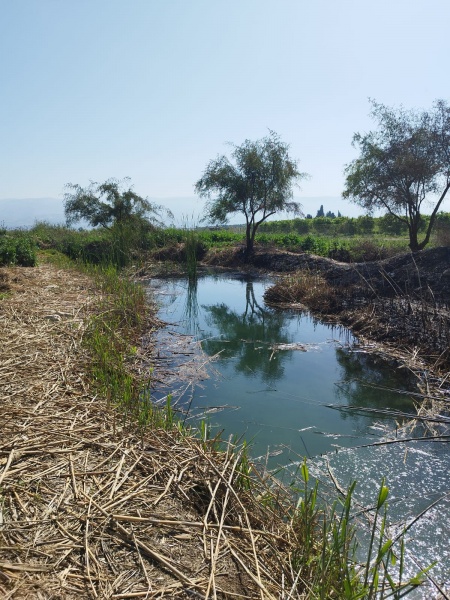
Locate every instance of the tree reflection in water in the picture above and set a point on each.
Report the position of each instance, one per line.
(369, 382)
(190, 308)
(283, 397)
(248, 337)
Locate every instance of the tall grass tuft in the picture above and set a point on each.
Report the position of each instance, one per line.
(194, 247)
(191, 246)
(328, 563)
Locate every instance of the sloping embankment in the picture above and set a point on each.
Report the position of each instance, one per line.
(407, 273)
(89, 508)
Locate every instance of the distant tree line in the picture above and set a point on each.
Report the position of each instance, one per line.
(362, 225)
(402, 164)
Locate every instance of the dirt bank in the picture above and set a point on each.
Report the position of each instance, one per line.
(408, 273)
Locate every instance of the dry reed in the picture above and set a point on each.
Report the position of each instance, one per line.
(89, 507)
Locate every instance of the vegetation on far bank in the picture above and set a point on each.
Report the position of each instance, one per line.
(341, 238)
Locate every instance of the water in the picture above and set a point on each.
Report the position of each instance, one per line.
(261, 388)
(295, 387)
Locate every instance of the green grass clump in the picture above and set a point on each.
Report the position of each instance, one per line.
(118, 245)
(344, 249)
(328, 562)
(17, 248)
(111, 340)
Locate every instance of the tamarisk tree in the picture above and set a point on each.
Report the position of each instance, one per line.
(403, 166)
(256, 182)
(109, 204)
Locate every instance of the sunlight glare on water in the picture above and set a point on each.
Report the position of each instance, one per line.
(295, 387)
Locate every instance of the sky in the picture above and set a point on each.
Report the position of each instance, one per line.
(154, 89)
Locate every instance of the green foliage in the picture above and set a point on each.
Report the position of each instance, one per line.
(110, 339)
(365, 224)
(110, 203)
(355, 249)
(390, 225)
(339, 226)
(402, 164)
(90, 246)
(219, 237)
(117, 245)
(302, 226)
(121, 244)
(257, 184)
(17, 248)
(244, 468)
(442, 229)
(323, 225)
(327, 555)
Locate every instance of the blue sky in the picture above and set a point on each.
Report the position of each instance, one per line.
(153, 89)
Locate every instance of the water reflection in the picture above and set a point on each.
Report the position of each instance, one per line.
(191, 308)
(367, 384)
(247, 336)
(278, 397)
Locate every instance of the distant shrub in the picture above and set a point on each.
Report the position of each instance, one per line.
(301, 226)
(26, 252)
(365, 224)
(323, 225)
(390, 225)
(17, 250)
(7, 250)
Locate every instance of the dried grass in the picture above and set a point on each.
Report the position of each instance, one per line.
(89, 508)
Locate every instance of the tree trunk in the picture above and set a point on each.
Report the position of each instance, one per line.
(413, 227)
(413, 242)
(249, 239)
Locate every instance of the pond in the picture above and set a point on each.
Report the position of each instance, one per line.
(282, 379)
(295, 387)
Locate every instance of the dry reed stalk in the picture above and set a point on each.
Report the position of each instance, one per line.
(90, 508)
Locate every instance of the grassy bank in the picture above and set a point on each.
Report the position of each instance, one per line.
(124, 246)
(342, 238)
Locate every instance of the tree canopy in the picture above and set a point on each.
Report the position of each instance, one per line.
(402, 165)
(107, 204)
(256, 183)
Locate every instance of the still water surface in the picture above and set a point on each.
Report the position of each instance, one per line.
(275, 373)
(295, 387)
